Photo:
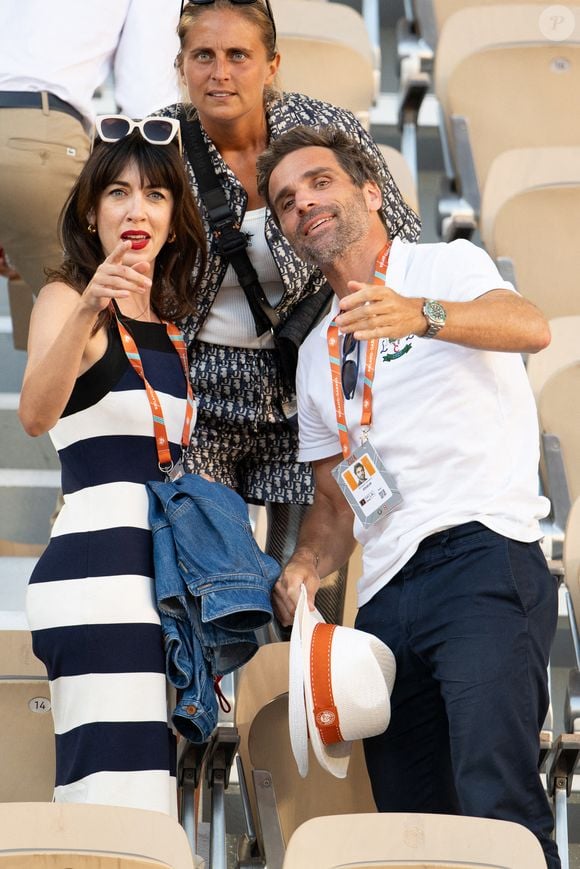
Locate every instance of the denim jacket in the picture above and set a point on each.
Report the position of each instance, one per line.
(213, 585)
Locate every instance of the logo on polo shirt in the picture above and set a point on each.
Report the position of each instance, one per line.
(391, 350)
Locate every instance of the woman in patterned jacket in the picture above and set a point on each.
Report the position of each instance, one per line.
(228, 62)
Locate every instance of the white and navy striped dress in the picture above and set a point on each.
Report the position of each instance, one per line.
(90, 601)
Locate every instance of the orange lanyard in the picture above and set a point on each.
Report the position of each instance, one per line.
(159, 428)
(333, 341)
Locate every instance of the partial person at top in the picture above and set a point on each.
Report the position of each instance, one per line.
(229, 62)
(53, 57)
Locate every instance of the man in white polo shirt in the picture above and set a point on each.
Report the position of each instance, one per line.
(438, 411)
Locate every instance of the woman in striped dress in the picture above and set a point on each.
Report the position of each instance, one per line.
(132, 235)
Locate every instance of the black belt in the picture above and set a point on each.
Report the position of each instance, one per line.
(33, 100)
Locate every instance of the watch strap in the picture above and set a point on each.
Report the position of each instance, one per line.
(434, 325)
(432, 330)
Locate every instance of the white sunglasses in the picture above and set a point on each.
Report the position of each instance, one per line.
(156, 131)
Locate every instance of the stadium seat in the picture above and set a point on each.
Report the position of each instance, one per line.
(27, 750)
(563, 349)
(261, 680)
(559, 415)
(572, 556)
(503, 84)
(355, 570)
(394, 841)
(26, 729)
(431, 15)
(61, 835)
(572, 579)
(532, 192)
(566, 750)
(326, 53)
(278, 799)
(402, 175)
(559, 411)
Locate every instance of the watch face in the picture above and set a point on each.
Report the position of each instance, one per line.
(435, 311)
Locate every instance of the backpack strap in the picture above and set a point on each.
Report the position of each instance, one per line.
(231, 242)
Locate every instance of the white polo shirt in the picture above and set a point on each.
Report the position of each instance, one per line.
(456, 427)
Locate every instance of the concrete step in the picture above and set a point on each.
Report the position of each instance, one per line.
(29, 478)
(27, 500)
(19, 450)
(29, 467)
(13, 361)
(14, 575)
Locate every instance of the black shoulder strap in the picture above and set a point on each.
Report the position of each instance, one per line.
(231, 242)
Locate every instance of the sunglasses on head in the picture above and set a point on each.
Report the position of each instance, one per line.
(349, 367)
(268, 8)
(156, 131)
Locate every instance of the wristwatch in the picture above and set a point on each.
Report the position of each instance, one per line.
(435, 314)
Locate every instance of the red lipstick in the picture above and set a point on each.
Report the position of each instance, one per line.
(138, 240)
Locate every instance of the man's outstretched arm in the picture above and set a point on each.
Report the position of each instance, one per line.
(498, 320)
(324, 544)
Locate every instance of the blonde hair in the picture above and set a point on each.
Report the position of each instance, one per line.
(256, 13)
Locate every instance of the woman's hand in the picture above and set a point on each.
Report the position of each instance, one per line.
(113, 280)
(62, 342)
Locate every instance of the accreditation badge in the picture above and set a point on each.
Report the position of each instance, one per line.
(366, 484)
(177, 471)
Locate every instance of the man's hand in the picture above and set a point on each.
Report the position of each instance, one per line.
(325, 543)
(301, 569)
(376, 311)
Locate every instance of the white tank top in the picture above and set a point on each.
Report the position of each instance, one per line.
(230, 320)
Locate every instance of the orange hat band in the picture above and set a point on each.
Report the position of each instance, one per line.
(325, 712)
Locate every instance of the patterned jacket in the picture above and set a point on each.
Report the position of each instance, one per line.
(299, 278)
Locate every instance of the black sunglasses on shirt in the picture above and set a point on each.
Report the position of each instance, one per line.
(235, 3)
(349, 367)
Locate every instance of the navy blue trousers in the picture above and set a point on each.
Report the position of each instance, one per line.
(470, 619)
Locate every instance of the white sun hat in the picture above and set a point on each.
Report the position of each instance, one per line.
(341, 680)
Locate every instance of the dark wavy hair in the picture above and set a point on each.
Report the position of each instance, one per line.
(174, 289)
(355, 162)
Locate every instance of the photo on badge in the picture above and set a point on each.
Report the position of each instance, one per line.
(367, 485)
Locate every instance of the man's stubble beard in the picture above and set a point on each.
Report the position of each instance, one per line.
(351, 222)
